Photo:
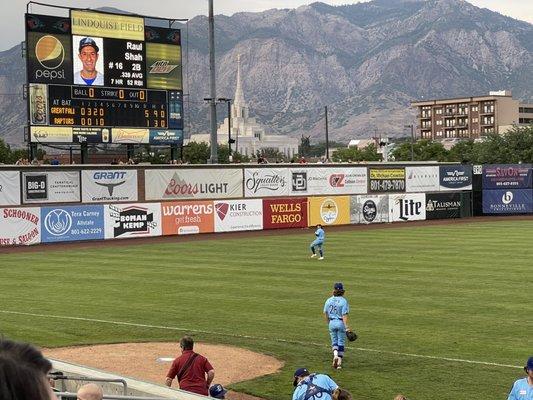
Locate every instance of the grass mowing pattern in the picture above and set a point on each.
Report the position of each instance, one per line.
(458, 291)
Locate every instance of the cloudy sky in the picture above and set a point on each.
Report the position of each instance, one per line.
(12, 27)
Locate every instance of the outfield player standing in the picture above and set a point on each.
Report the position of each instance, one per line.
(523, 388)
(336, 311)
(318, 242)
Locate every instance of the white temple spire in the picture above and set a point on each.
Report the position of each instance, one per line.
(239, 94)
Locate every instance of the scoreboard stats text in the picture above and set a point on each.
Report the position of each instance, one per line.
(103, 78)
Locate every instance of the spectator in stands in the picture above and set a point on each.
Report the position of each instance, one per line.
(217, 391)
(90, 391)
(23, 372)
(523, 388)
(302, 160)
(193, 371)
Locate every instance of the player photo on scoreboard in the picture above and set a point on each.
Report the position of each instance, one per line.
(88, 57)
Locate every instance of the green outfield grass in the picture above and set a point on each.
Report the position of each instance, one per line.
(459, 291)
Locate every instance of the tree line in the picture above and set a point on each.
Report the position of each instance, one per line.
(516, 146)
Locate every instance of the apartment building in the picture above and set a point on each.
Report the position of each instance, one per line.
(470, 117)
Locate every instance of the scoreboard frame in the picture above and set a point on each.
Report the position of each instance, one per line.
(138, 97)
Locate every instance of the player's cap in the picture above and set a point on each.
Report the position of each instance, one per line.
(338, 286)
(217, 391)
(298, 374)
(87, 41)
(529, 364)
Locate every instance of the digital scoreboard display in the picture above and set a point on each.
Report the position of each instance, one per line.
(103, 78)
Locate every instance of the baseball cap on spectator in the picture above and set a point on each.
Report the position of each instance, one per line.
(338, 286)
(300, 372)
(529, 364)
(87, 41)
(217, 391)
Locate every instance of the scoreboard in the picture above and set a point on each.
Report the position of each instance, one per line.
(103, 78)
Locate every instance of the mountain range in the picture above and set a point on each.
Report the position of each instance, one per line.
(364, 61)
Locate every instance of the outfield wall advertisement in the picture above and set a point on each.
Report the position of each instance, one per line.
(508, 201)
(455, 177)
(132, 220)
(421, 179)
(407, 207)
(444, 205)
(285, 213)
(266, 182)
(368, 209)
(512, 176)
(65, 224)
(51, 187)
(99, 186)
(187, 217)
(328, 181)
(9, 188)
(20, 226)
(334, 210)
(193, 184)
(238, 215)
(386, 180)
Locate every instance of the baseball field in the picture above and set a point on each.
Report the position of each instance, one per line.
(442, 311)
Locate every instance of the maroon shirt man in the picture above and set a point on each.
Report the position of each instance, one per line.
(194, 375)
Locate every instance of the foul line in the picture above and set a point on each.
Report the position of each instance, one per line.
(172, 328)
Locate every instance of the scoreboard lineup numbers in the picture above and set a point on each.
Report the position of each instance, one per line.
(105, 107)
(102, 71)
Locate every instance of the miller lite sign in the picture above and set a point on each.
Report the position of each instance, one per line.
(407, 207)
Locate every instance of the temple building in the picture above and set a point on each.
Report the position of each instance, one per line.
(250, 137)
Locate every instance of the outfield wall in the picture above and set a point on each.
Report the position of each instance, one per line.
(60, 204)
(507, 189)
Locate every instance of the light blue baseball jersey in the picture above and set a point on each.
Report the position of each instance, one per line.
(336, 306)
(320, 235)
(315, 387)
(521, 390)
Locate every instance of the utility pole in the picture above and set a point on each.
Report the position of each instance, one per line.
(412, 140)
(230, 140)
(327, 133)
(213, 95)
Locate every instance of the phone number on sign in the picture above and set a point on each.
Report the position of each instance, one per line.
(387, 185)
(86, 231)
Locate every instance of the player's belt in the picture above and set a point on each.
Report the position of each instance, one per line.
(335, 319)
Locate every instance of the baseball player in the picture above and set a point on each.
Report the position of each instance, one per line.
(523, 388)
(318, 242)
(336, 311)
(312, 386)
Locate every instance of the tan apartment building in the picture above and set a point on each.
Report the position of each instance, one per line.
(470, 117)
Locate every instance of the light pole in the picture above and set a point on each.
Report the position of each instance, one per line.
(327, 133)
(212, 89)
(412, 140)
(230, 140)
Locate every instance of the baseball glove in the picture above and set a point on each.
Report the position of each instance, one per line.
(351, 335)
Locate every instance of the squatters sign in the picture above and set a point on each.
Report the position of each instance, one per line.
(186, 217)
(20, 226)
(193, 184)
(132, 220)
(285, 213)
